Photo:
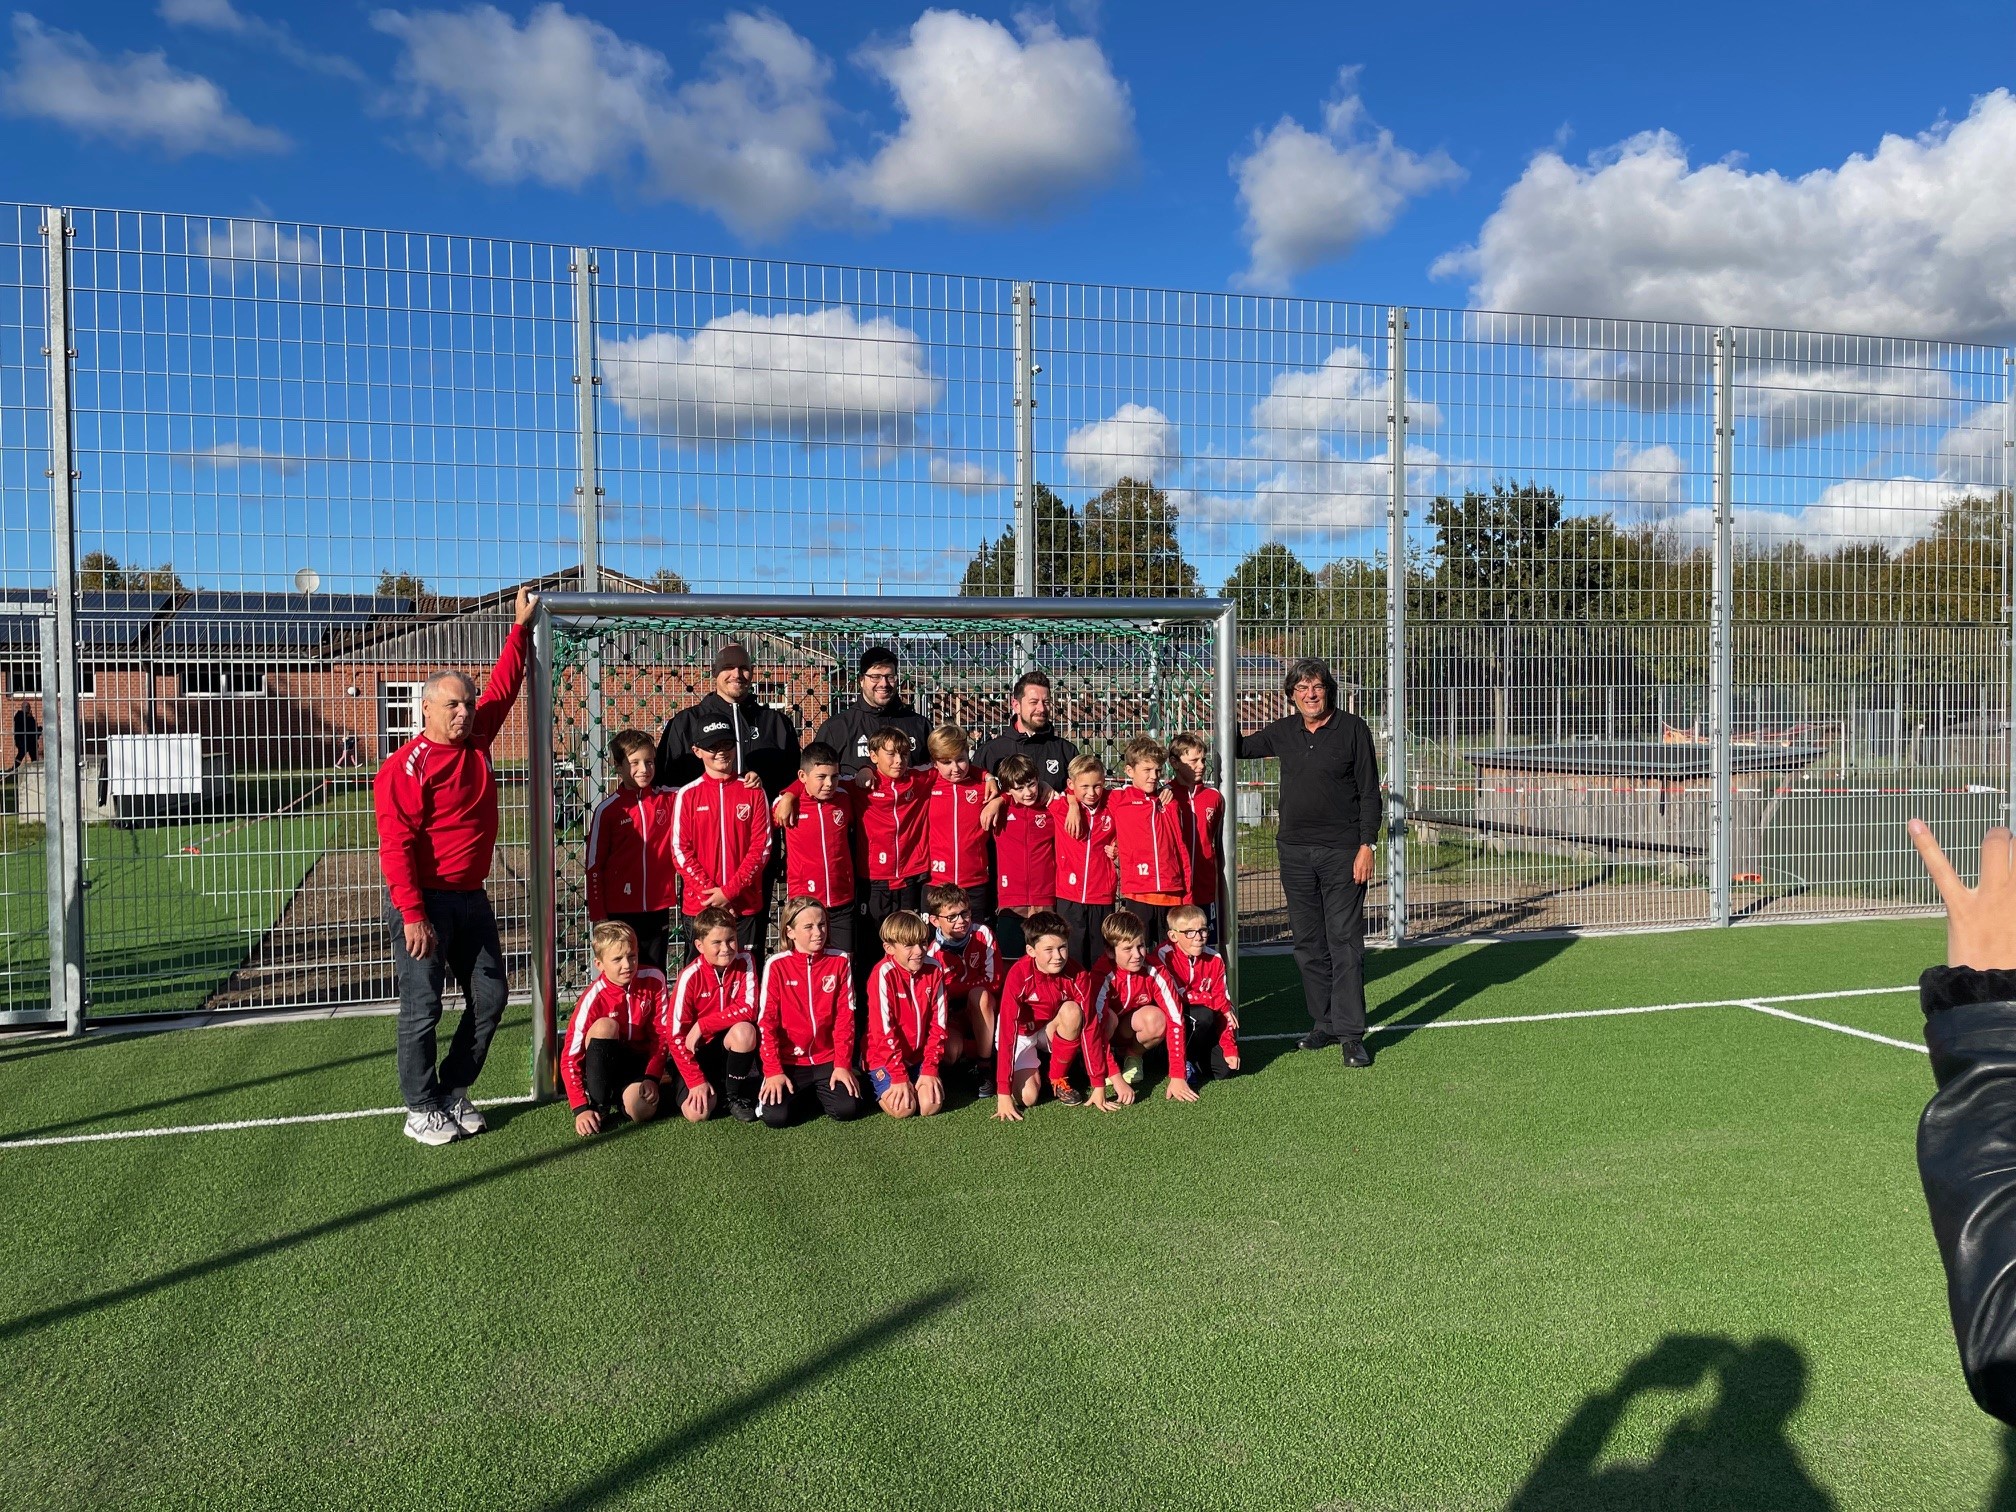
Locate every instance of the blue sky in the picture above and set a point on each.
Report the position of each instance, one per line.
(1730, 164)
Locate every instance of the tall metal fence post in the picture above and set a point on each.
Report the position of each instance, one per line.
(1225, 734)
(1024, 303)
(545, 962)
(1396, 628)
(63, 752)
(2009, 587)
(1722, 642)
(588, 490)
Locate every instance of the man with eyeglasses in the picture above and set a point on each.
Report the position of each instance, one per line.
(880, 706)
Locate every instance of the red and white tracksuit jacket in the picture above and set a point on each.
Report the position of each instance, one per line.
(1121, 992)
(819, 848)
(630, 864)
(895, 822)
(806, 1017)
(1025, 856)
(436, 805)
(1084, 871)
(1153, 858)
(636, 1010)
(1029, 1000)
(721, 838)
(714, 999)
(1202, 812)
(958, 843)
(1201, 984)
(975, 965)
(906, 1019)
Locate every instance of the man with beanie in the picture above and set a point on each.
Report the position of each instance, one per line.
(766, 739)
(880, 705)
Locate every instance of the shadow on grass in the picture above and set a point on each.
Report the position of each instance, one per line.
(28, 1323)
(1467, 973)
(1733, 1455)
(2003, 1498)
(183, 1098)
(625, 1476)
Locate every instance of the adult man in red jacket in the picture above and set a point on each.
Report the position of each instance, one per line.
(436, 803)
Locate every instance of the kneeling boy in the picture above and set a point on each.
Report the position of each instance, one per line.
(612, 1056)
(1136, 1006)
(710, 1024)
(907, 1030)
(1198, 973)
(1045, 1011)
(806, 1025)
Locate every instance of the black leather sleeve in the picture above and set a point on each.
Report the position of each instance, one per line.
(1967, 1161)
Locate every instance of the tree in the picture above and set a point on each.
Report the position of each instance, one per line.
(1059, 548)
(665, 580)
(1272, 587)
(100, 572)
(1131, 550)
(401, 585)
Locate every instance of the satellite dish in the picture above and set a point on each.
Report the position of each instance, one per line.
(307, 580)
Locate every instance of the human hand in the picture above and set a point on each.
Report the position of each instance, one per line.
(1165, 796)
(693, 1040)
(1123, 1091)
(1361, 868)
(717, 899)
(902, 1098)
(1074, 819)
(1005, 1109)
(774, 1089)
(934, 1087)
(846, 1081)
(1098, 1100)
(1980, 920)
(699, 1102)
(587, 1122)
(527, 602)
(751, 780)
(419, 939)
(1113, 851)
(1179, 1090)
(785, 810)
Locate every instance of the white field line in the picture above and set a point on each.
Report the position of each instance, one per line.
(1582, 1013)
(1800, 1018)
(239, 1123)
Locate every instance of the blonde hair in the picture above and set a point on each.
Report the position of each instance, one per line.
(1122, 928)
(612, 932)
(788, 915)
(1187, 914)
(1143, 748)
(948, 743)
(906, 928)
(1189, 740)
(1080, 765)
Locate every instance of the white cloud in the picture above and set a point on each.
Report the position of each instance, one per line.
(1904, 239)
(1891, 512)
(1136, 441)
(231, 456)
(250, 241)
(563, 99)
(1654, 475)
(1345, 394)
(225, 17)
(1971, 452)
(1311, 196)
(993, 126)
(137, 97)
(819, 376)
(1796, 402)
(966, 476)
(1320, 491)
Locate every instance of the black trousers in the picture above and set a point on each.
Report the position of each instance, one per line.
(1326, 914)
(812, 1092)
(875, 901)
(654, 935)
(608, 1069)
(1153, 916)
(1085, 919)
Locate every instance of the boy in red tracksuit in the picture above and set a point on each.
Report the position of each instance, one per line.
(958, 827)
(806, 1024)
(1137, 1007)
(892, 812)
(908, 1032)
(971, 960)
(1025, 850)
(1046, 1011)
(611, 1057)
(631, 873)
(1085, 860)
(709, 1027)
(818, 826)
(1202, 811)
(1198, 974)
(1148, 828)
(721, 838)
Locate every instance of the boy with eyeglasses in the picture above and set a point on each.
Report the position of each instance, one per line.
(1198, 972)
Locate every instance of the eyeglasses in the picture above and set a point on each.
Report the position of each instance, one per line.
(878, 677)
(1191, 934)
(954, 918)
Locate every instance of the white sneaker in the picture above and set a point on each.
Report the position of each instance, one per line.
(463, 1113)
(432, 1127)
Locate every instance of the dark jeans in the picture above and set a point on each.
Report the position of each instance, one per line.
(465, 944)
(1326, 913)
(812, 1092)
(654, 935)
(1087, 920)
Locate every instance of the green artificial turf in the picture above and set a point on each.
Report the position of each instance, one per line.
(1649, 1261)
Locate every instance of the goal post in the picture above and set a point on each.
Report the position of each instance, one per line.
(1118, 668)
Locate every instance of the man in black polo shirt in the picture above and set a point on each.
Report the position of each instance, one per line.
(881, 705)
(1329, 819)
(1031, 734)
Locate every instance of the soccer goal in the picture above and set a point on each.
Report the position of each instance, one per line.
(604, 662)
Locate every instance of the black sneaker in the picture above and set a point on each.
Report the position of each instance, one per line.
(1356, 1055)
(1067, 1094)
(742, 1110)
(1316, 1039)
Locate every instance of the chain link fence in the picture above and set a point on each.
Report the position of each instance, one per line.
(1673, 625)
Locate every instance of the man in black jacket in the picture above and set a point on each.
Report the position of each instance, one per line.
(1328, 821)
(1031, 734)
(766, 740)
(880, 705)
(1967, 1137)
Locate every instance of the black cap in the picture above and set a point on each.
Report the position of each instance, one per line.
(734, 654)
(713, 735)
(877, 656)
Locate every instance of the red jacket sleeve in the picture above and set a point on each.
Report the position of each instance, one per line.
(843, 1023)
(769, 1013)
(934, 1029)
(678, 1019)
(1171, 1003)
(654, 1045)
(756, 856)
(685, 855)
(501, 691)
(397, 799)
(597, 858)
(1004, 1029)
(575, 1047)
(881, 1020)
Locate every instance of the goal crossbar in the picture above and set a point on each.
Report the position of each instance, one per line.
(566, 613)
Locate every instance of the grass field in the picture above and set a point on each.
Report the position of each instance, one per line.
(1657, 1260)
